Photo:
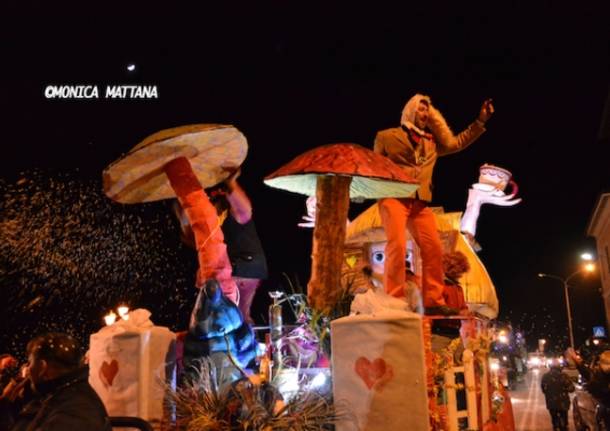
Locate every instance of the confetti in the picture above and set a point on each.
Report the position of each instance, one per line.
(68, 255)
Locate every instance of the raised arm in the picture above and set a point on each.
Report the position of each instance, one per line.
(241, 207)
(450, 143)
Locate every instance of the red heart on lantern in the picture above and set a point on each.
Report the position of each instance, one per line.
(374, 374)
(108, 372)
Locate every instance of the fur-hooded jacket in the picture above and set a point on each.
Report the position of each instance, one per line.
(418, 159)
(436, 122)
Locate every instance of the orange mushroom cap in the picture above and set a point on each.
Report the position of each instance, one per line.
(373, 175)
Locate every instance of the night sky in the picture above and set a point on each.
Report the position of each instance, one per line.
(293, 76)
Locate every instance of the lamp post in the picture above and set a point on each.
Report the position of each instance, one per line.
(589, 267)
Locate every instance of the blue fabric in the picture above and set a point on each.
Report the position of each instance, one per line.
(214, 316)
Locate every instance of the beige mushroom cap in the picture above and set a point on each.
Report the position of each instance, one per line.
(139, 176)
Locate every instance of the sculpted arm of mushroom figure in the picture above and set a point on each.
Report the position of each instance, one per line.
(476, 198)
(490, 189)
(309, 219)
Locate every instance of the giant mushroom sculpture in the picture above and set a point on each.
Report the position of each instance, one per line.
(181, 162)
(335, 173)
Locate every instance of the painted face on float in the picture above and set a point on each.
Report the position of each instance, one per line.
(377, 259)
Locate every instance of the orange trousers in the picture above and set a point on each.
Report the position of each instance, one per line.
(396, 215)
(209, 240)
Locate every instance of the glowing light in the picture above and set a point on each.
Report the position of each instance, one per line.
(131, 67)
(534, 361)
(261, 349)
(123, 310)
(318, 381)
(586, 256)
(502, 338)
(288, 382)
(110, 318)
(494, 366)
(590, 267)
(596, 342)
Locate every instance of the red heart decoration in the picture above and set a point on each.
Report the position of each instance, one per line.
(374, 374)
(108, 372)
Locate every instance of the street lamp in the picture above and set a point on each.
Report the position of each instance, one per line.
(502, 337)
(589, 267)
(587, 257)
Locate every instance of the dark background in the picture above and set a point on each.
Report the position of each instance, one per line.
(292, 76)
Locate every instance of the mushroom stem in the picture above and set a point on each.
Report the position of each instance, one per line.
(324, 287)
(209, 240)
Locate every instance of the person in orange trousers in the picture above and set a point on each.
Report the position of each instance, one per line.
(415, 146)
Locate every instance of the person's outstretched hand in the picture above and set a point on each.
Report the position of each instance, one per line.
(487, 110)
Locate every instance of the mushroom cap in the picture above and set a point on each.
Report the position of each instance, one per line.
(373, 175)
(212, 150)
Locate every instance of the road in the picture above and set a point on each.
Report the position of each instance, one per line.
(529, 406)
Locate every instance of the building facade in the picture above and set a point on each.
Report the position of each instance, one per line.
(599, 227)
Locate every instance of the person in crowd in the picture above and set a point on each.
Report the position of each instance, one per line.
(8, 369)
(592, 348)
(54, 393)
(556, 387)
(597, 378)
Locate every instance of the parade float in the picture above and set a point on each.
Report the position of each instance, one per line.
(383, 372)
(460, 392)
(370, 349)
(216, 389)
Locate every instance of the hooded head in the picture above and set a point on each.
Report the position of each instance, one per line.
(416, 120)
(416, 111)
